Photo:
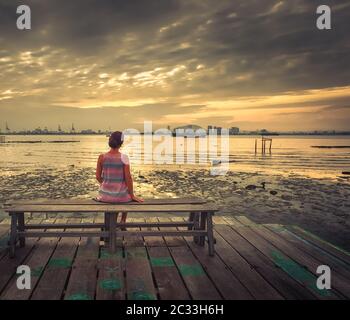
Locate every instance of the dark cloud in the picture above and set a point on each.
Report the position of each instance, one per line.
(85, 50)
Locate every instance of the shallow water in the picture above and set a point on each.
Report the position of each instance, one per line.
(308, 187)
(290, 154)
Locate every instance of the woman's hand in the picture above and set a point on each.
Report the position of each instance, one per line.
(137, 199)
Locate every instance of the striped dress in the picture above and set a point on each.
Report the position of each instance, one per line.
(113, 188)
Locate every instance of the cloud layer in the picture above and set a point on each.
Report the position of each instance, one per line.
(175, 62)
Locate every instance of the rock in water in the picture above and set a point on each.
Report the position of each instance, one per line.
(273, 192)
(251, 187)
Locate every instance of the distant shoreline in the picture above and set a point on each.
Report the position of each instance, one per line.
(233, 135)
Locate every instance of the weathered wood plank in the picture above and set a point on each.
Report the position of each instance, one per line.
(9, 266)
(165, 233)
(110, 281)
(37, 261)
(4, 238)
(52, 283)
(169, 283)
(140, 208)
(5, 221)
(193, 274)
(153, 241)
(258, 287)
(219, 220)
(320, 255)
(295, 270)
(134, 241)
(288, 287)
(245, 221)
(168, 280)
(4, 229)
(129, 225)
(227, 284)
(231, 221)
(139, 279)
(324, 245)
(63, 234)
(93, 202)
(171, 241)
(339, 283)
(82, 281)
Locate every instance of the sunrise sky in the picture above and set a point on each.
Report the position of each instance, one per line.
(115, 63)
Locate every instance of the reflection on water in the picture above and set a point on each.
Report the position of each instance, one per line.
(289, 154)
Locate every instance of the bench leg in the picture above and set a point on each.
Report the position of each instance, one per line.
(21, 227)
(202, 226)
(13, 235)
(191, 219)
(106, 227)
(112, 231)
(196, 226)
(210, 234)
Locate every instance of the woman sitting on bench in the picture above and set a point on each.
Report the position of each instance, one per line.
(113, 174)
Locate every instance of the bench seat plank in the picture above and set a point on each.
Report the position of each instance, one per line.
(113, 208)
(93, 202)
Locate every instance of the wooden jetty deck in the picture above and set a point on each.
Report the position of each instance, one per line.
(252, 261)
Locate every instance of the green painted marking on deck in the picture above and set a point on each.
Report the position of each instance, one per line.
(142, 295)
(60, 263)
(79, 296)
(191, 270)
(321, 240)
(162, 262)
(110, 284)
(298, 272)
(105, 254)
(112, 269)
(36, 272)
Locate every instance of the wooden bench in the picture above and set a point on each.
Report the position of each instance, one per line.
(199, 223)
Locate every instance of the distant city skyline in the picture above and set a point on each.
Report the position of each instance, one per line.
(249, 64)
(231, 130)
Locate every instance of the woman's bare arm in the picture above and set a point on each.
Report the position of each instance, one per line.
(129, 183)
(128, 179)
(99, 169)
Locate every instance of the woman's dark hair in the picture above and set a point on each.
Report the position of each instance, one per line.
(116, 140)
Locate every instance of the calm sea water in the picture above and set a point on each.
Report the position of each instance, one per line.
(289, 153)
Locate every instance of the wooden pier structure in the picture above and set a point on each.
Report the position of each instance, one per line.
(252, 261)
(264, 142)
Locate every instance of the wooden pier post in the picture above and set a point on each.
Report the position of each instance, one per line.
(263, 145)
(256, 146)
